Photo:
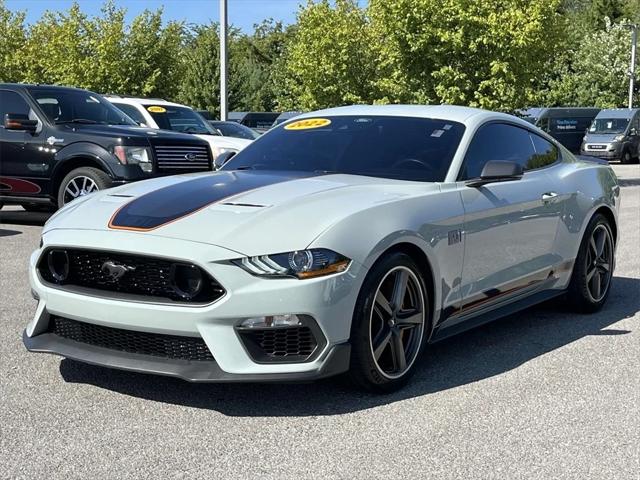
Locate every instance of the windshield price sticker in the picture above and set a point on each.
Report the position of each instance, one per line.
(156, 109)
(308, 123)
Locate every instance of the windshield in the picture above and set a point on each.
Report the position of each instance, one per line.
(419, 149)
(232, 129)
(179, 119)
(78, 106)
(609, 125)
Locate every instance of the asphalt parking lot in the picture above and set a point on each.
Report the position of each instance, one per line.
(542, 394)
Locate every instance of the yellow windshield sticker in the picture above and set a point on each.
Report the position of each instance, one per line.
(156, 109)
(308, 123)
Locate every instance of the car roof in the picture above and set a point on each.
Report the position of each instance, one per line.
(617, 113)
(143, 101)
(445, 112)
(34, 86)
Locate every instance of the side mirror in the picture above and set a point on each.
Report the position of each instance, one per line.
(497, 171)
(633, 132)
(223, 158)
(19, 121)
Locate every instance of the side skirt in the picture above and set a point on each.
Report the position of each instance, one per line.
(444, 331)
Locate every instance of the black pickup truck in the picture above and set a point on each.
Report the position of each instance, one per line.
(59, 143)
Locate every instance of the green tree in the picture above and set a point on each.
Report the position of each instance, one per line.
(596, 73)
(329, 59)
(483, 54)
(599, 10)
(103, 54)
(12, 38)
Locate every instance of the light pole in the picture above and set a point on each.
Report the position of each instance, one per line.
(632, 67)
(223, 60)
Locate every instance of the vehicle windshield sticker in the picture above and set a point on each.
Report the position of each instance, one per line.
(308, 123)
(437, 133)
(156, 109)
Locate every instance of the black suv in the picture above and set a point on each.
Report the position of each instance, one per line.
(59, 143)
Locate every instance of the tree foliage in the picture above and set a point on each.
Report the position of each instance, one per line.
(596, 72)
(329, 57)
(498, 54)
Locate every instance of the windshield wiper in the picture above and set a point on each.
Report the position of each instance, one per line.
(77, 120)
(245, 167)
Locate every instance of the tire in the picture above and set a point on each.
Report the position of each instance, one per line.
(378, 326)
(590, 264)
(77, 178)
(626, 157)
(40, 208)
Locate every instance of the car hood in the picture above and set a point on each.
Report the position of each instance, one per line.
(601, 137)
(128, 132)
(250, 212)
(216, 142)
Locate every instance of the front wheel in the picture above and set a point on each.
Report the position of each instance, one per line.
(593, 269)
(390, 324)
(626, 157)
(80, 182)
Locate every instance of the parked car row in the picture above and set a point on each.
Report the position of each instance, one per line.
(61, 143)
(611, 134)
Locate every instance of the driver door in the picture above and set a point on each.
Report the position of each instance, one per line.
(510, 227)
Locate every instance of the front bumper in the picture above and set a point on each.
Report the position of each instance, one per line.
(329, 300)
(336, 362)
(606, 153)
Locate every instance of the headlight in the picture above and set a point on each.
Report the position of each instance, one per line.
(300, 264)
(618, 138)
(134, 156)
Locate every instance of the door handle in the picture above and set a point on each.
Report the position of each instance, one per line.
(548, 197)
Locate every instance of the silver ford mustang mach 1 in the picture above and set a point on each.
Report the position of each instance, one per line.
(346, 240)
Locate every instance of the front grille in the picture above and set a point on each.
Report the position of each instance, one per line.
(182, 158)
(144, 343)
(280, 344)
(146, 278)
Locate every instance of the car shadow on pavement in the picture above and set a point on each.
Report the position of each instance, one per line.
(20, 217)
(8, 233)
(482, 353)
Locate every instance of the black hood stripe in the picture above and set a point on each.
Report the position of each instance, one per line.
(170, 203)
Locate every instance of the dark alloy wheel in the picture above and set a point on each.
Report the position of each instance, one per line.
(626, 157)
(599, 263)
(390, 322)
(593, 269)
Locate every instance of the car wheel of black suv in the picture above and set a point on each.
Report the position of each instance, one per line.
(626, 157)
(593, 268)
(80, 182)
(390, 323)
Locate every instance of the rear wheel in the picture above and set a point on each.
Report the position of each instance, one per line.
(80, 182)
(389, 324)
(593, 269)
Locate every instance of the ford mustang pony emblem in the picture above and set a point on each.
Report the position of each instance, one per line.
(190, 156)
(115, 271)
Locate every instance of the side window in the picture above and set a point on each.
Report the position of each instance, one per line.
(132, 112)
(11, 102)
(496, 141)
(546, 153)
